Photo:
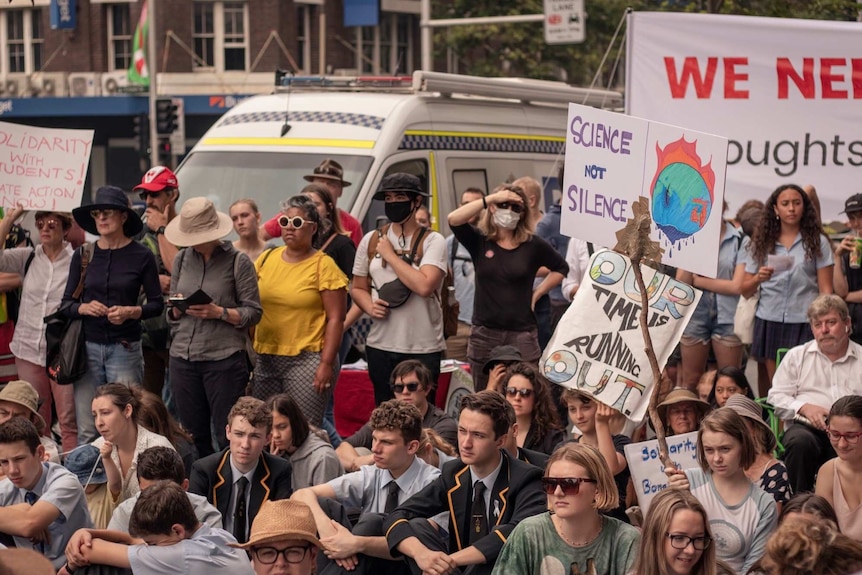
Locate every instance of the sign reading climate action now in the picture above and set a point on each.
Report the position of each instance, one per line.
(43, 168)
(598, 347)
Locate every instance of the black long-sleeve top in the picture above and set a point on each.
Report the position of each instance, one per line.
(115, 277)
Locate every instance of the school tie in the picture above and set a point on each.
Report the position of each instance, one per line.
(31, 498)
(478, 513)
(239, 511)
(391, 498)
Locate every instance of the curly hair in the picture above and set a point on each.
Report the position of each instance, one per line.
(396, 415)
(252, 410)
(311, 214)
(544, 416)
(810, 546)
(769, 229)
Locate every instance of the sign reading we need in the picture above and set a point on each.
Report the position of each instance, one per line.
(647, 471)
(612, 159)
(43, 168)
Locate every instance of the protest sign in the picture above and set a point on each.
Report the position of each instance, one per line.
(43, 168)
(612, 160)
(598, 346)
(647, 470)
(785, 91)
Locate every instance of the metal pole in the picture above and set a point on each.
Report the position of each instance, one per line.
(152, 56)
(425, 35)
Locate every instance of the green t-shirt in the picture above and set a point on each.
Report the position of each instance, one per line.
(535, 548)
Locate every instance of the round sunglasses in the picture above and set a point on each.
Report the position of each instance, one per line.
(295, 222)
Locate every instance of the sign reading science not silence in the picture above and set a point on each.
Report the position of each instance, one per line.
(598, 346)
(612, 159)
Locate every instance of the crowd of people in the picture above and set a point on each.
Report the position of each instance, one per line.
(202, 432)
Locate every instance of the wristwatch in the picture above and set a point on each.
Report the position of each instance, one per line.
(224, 314)
(160, 231)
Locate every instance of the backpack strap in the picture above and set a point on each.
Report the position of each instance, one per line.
(29, 261)
(86, 256)
(417, 246)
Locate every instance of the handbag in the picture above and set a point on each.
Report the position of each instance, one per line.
(743, 319)
(66, 360)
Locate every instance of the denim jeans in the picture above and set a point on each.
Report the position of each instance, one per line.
(106, 363)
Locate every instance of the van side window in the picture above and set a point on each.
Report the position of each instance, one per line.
(416, 166)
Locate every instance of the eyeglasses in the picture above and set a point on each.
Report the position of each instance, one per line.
(295, 222)
(109, 213)
(678, 541)
(523, 392)
(517, 208)
(269, 555)
(569, 485)
(52, 224)
(146, 193)
(411, 386)
(851, 437)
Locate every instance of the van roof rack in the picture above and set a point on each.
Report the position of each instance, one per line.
(526, 90)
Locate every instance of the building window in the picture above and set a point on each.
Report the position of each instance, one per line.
(22, 36)
(119, 37)
(219, 34)
(388, 47)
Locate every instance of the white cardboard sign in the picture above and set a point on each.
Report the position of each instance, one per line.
(647, 470)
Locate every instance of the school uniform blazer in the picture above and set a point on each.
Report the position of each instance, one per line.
(517, 494)
(212, 477)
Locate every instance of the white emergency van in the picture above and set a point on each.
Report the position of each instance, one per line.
(451, 131)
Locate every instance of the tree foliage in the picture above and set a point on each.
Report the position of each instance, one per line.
(520, 50)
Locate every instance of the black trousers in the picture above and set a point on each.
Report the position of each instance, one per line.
(431, 538)
(381, 363)
(806, 449)
(204, 392)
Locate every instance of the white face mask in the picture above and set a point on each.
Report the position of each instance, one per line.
(506, 219)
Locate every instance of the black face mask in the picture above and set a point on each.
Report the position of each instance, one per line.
(398, 212)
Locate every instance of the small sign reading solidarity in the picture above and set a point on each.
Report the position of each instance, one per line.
(43, 168)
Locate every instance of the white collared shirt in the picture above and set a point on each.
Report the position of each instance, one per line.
(489, 481)
(236, 474)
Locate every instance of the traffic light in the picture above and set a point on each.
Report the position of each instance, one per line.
(141, 130)
(165, 158)
(166, 116)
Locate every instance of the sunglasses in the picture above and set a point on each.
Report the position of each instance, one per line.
(517, 208)
(523, 392)
(144, 194)
(399, 387)
(50, 224)
(295, 222)
(109, 213)
(569, 485)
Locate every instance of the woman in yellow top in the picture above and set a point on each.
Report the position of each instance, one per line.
(303, 294)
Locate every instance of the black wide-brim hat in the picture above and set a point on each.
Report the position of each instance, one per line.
(400, 182)
(109, 198)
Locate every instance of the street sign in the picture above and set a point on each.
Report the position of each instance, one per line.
(565, 21)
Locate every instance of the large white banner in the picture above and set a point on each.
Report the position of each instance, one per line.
(613, 159)
(598, 347)
(786, 92)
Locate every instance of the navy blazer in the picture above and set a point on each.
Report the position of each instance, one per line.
(517, 494)
(212, 477)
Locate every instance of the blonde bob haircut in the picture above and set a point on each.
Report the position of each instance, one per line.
(651, 558)
(522, 233)
(588, 457)
(726, 420)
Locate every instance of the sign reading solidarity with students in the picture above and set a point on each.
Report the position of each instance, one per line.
(43, 168)
(647, 470)
(612, 159)
(598, 346)
(785, 91)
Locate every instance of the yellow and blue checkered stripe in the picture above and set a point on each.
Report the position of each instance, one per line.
(481, 142)
(343, 118)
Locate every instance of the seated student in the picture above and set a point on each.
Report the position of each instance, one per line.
(411, 382)
(376, 489)
(283, 539)
(41, 503)
(240, 478)
(486, 493)
(20, 399)
(534, 458)
(163, 464)
(593, 419)
(529, 394)
(86, 463)
(681, 411)
(808, 546)
(164, 537)
(433, 450)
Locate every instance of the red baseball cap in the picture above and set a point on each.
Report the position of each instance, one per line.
(157, 179)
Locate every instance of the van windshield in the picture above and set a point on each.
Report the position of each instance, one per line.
(268, 178)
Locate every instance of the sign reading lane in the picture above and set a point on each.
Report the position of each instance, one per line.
(564, 21)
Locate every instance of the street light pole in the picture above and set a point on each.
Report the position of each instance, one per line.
(151, 73)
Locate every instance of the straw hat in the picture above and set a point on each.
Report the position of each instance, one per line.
(680, 395)
(279, 521)
(197, 223)
(23, 393)
(328, 170)
(749, 409)
(19, 561)
(109, 198)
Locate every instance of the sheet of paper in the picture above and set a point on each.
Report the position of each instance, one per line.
(780, 263)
